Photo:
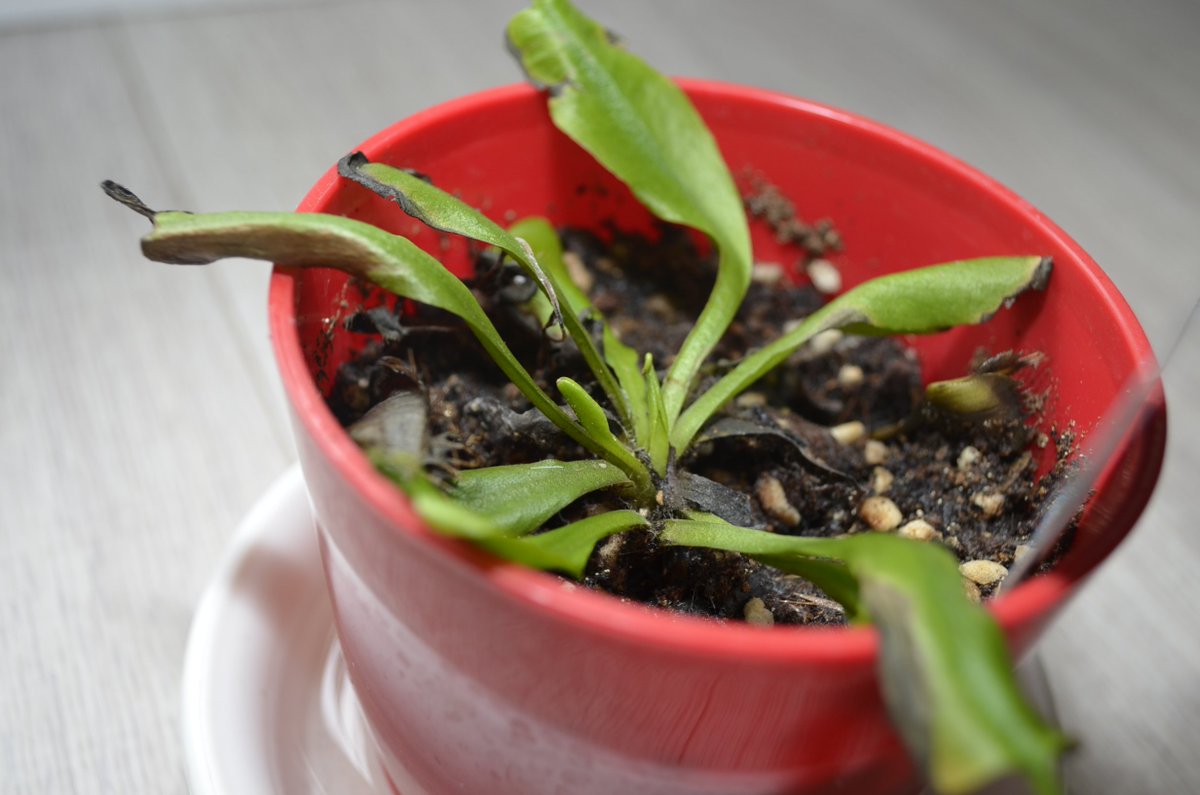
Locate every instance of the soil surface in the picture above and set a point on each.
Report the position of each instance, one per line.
(839, 440)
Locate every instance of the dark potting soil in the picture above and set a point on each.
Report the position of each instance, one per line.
(810, 450)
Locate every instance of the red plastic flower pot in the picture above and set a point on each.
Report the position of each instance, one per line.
(479, 676)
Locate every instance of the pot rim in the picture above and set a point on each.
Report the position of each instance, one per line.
(621, 621)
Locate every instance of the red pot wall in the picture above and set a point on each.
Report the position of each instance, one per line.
(482, 677)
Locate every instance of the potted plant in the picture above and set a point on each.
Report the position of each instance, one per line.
(480, 675)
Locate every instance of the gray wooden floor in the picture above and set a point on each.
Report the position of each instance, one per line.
(140, 411)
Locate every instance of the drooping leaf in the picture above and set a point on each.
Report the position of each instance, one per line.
(640, 126)
(443, 211)
(520, 498)
(306, 240)
(920, 301)
(945, 671)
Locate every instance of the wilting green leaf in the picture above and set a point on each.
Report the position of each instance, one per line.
(976, 395)
(640, 126)
(572, 544)
(945, 671)
(307, 240)
(920, 301)
(520, 498)
(445, 212)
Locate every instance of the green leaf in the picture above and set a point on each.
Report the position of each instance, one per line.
(658, 441)
(920, 301)
(307, 240)
(937, 297)
(572, 544)
(640, 126)
(946, 674)
(595, 422)
(945, 671)
(520, 498)
(624, 362)
(978, 394)
(811, 558)
(447, 213)
(563, 549)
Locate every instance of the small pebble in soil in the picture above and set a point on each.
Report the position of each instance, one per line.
(983, 572)
(969, 457)
(758, 614)
(580, 273)
(991, 503)
(659, 306)
(774, 501)
(825, 276)
(850, 376)
(881, 480)
(880, 513)
(609, 551)
(823, 342)
(848, 432)
(1021, 551)
(748, 400)
(767, 272)
(918, 530)
(875, 452)
(972, 591)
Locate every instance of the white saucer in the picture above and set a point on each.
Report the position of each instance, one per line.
(267, 705)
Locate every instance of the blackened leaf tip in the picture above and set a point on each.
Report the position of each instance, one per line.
(123, 195)
(349, 165)
(1041, 274)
